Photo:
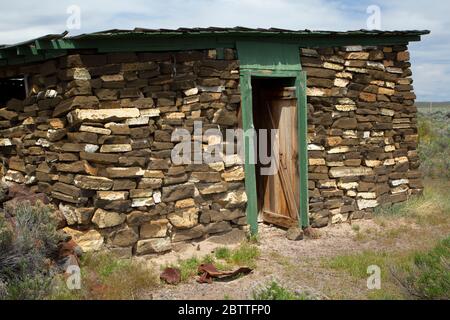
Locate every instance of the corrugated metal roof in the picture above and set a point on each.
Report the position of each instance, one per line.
(46, 37)
(244, 30)
(53, 45)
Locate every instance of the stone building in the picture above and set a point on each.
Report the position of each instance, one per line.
(92, 120)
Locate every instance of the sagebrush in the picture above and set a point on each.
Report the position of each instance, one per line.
(28, 243)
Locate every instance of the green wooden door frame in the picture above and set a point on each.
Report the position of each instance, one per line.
(246, 75)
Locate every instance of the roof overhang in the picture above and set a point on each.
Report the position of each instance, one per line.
(55, 45)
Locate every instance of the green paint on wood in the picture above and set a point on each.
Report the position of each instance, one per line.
(282, 61)
(171, 41)
(249, 143)
(302, 118)
(268, 55)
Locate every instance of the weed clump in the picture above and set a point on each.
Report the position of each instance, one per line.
(28, 244)
(428, 276)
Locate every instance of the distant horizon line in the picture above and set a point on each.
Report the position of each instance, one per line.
(428, 101)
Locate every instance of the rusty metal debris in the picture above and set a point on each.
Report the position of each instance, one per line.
(171, 275)
(208, 272)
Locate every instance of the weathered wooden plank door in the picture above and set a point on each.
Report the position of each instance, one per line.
(281, 195)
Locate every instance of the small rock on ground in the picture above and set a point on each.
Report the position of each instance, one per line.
(294, 234)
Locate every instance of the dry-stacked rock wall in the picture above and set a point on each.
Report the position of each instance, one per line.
(96, 136)
(362, 130)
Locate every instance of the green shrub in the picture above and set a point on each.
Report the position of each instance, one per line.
(222, 253)
(434, 145)
(275, 291)
(246, 254)
(26, 247)
(429, 275)
(188, 268)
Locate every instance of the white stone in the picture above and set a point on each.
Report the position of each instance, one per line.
(69, 214)
(348, 185)
(394, 70)
(396, 183)
(139, 121)
(356, 70)
(91, 148)
(176, 115)
(350, 172)
(401, 159)
(81, 74)
(372, 163)
(211, 89)
(151, 113)
(107, 148)
(375, 65)
(341, 83)
(142, 202)
(316, 162)
(387, 112)
(232, 160)
(389, 148)
(81, 115)
(367, 195)
(190, 92)
(97, 130)
(341, 149)
(351, 193)
(50, 94)
(364, 204)
(317, 92)
(217, 166)
(5, 142)
(112, 195)
(344, 75)
(333, 66)
(350, 134)
(346, 101)
(315, 147)
(345, 107)
(157, 197)
(43, 143)
(335, 164)
(14, 176)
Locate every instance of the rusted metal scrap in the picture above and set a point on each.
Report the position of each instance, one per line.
(208, 272)
(171, 275)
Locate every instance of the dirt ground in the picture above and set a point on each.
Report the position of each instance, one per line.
(298, 265)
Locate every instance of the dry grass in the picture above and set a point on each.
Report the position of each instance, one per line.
(105, 277)
(420, 220)
(430, 209)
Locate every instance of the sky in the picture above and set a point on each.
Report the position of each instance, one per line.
(23, 20)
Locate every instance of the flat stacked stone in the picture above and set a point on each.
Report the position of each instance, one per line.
(362, 130)
(96, 136)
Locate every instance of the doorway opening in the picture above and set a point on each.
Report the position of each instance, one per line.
(275, 107)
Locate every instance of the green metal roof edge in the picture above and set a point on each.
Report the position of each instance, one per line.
(51, 46)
